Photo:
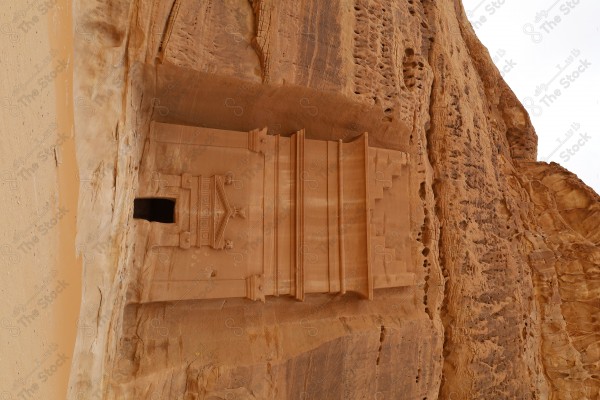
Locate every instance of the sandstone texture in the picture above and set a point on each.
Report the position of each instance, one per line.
(502, 251)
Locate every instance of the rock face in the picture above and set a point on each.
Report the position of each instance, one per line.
(503, 251)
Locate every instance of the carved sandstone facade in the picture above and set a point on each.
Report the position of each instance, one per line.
(266, 215)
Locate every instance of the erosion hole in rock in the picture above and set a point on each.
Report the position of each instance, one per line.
(154, 209)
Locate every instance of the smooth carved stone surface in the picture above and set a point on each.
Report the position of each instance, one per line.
(470, 270)
(258, 215)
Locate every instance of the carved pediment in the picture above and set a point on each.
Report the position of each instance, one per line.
(215, 212)
(222, 212)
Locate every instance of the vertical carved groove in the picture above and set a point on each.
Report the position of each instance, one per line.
(341, 218)
(299, 250)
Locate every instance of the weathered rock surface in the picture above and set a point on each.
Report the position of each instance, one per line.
(505, 249)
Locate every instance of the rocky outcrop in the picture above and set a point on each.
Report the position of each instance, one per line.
(564, 261)
(504, 249)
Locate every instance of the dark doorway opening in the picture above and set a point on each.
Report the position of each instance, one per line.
(154, 209)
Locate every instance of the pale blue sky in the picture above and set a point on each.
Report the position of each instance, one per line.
(551, 52)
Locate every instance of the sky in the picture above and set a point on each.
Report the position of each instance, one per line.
(549, 53)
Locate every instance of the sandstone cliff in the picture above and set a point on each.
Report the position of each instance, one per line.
(504, 248)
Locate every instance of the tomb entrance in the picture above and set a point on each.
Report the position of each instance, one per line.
(260, 215)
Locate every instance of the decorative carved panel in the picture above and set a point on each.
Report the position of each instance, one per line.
(260, 215)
